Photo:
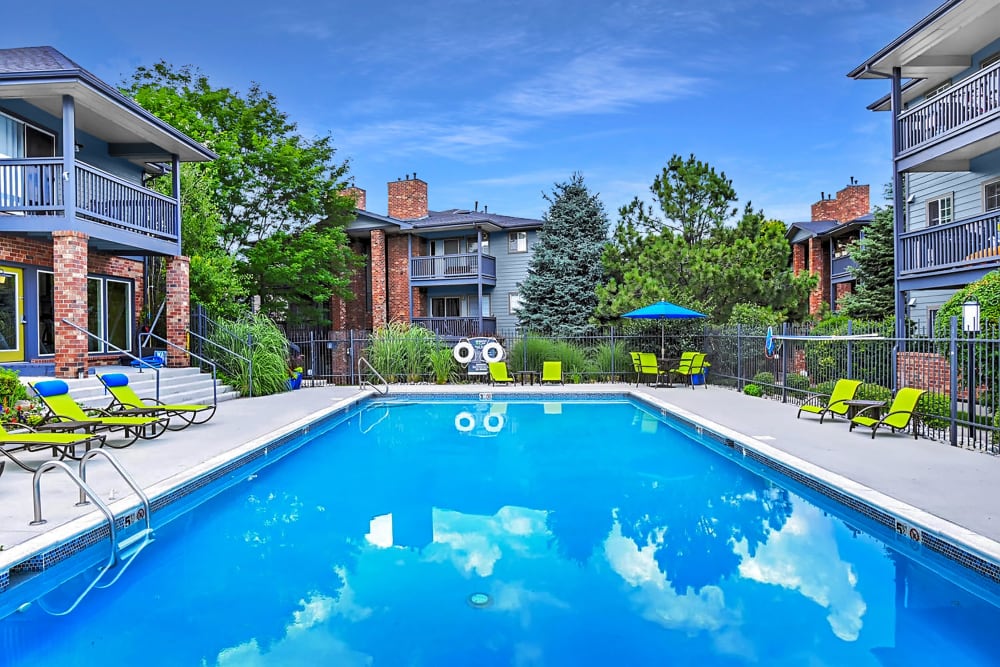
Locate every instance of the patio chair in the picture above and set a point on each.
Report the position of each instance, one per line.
(499, 374)
(552, 372)
(62, 444)
(694, 366)
(67, 412)
(636, 366)
(126, 402)
(842, 392)
(902, 413)
(648, 365)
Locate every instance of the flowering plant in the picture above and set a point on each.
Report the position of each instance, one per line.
(28, 411)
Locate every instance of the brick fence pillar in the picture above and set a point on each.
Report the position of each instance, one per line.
(69, 262)
(178, 309)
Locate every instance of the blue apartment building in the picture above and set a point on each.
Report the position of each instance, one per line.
(944, 80)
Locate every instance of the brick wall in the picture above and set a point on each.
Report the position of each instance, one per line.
(799, 258)
(360, 197)
(849, 204)
(819, 265)
(407, 199)
(923, 370)
(842, 289)
(69, 256)
(399, 277)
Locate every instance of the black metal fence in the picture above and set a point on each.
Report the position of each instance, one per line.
(960, 372)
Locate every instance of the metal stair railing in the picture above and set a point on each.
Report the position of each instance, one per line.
(249, 362)
(215, 389)
(109, 345)
(363, 363)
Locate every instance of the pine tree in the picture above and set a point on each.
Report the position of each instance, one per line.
(557, 296)
(874, 297)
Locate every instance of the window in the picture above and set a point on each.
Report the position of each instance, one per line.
(486, 244)
(989, 60)
(931, 319)
(458, 306)
(518, 242)
(991, 196)
(46, 313)
(940, 211)
(513, 303)
(110, 313)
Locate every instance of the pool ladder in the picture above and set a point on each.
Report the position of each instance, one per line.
(364, 364)
(122, 553)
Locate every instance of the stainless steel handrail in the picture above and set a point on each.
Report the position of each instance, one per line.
(113, 460)
(364, 381)
(114, 347)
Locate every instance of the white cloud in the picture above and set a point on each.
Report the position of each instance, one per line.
(474, 543)
(605, 82)
(802, 556)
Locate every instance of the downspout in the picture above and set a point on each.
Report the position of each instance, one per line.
(479, 276)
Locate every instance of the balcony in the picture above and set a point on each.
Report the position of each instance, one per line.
(946, 131)
(460, 269)
(458, 327)
(840, 267)
(118, 215)
(959, 249)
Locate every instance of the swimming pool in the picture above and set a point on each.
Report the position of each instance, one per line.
(514, 532)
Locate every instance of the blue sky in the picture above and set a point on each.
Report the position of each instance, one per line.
(496, 101)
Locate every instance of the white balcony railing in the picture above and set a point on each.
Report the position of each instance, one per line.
(963, 104)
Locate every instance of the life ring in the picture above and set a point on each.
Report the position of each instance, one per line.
(493, 423)
(492, 352)
(463, 352)
(465, 422)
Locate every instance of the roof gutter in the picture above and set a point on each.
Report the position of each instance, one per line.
(866, 66)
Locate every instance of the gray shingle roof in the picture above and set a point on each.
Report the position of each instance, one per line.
(35, 59)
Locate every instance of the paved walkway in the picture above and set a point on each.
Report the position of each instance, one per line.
(952, 486)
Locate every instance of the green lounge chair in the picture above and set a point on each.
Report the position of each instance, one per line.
(499, 374)
(902, 413)
(842, 392)
(64, 410)
(552, 371)
(126, 402)
(690, 367)
(636, 366)
(648, 365)
(61, 444)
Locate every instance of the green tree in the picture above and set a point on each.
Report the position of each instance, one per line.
(695, 200)
(268, 181)
(748, 263)
(558, 297)
(874, 271)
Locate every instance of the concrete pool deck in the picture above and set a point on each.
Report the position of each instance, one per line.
(954, 489)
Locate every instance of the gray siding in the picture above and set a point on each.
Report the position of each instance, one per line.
(512, 269)
(965, 186)
(924, 302)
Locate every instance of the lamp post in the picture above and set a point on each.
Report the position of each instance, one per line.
(970, 324)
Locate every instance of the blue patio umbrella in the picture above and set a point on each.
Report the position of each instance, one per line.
(663, 310)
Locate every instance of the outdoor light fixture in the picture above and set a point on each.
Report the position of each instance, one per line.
(970, 316)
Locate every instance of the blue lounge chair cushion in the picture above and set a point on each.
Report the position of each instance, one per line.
(51, 388)
(115, 379)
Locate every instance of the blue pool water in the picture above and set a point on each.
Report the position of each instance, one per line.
(519, 533)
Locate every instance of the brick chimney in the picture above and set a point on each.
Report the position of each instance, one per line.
(850, 203)
(359, 196)
(408, 198)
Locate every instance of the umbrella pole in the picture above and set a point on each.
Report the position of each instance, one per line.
(662, 347)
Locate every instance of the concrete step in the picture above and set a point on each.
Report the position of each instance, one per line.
(177, 385)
